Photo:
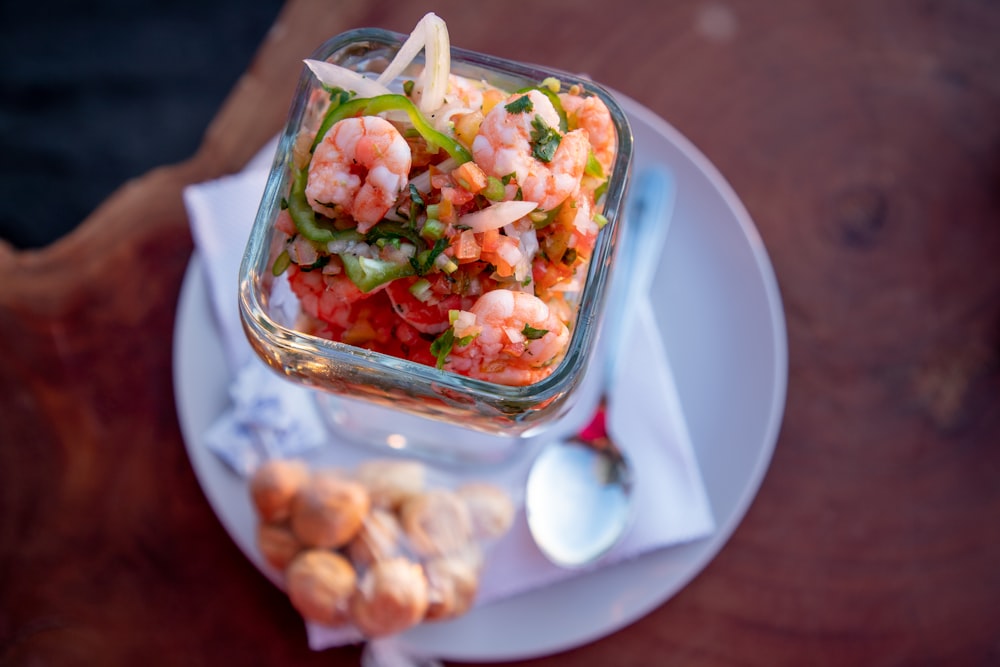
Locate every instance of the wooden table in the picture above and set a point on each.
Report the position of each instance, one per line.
(864, 138)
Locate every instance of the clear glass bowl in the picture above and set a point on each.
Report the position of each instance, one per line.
(389, 401)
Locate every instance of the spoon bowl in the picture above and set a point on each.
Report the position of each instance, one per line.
(578, 497)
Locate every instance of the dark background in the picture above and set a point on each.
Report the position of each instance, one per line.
(95, 93)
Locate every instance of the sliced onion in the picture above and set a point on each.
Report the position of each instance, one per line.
(441, 118)
(527, 239)
(422, 181)
(514, 335)
(510, 251)
(437, 54)
(431, 35)
(464, 323)
(497, 215)
(341, 77)
(407, 52)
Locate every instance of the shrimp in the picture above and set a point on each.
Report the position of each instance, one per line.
(517, 339)
(504, 146)
(592, 116)
(361, 166)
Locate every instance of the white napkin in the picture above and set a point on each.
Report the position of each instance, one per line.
(672, 505)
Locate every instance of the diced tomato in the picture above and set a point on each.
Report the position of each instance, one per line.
(490, 240)
(458, 197)
(466, 247)
(469, 176)
(430, 316)
(549, 274)
(506, 249)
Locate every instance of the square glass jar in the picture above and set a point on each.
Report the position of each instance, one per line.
(377, 396)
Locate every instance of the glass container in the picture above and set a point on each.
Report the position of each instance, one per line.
(388, 401)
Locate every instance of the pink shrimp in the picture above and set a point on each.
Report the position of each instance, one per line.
(504, 143)
(361, 166)
(591, 114)
(517, 339)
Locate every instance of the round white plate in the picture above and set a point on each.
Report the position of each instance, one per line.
(718, 306)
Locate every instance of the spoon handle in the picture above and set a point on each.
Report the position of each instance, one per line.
(647, 219)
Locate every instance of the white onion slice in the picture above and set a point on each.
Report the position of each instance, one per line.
(437, 53)
(341, 77)
(527, 242)
(407, 52)
(497, 215)
(431, 35)
(422, 181)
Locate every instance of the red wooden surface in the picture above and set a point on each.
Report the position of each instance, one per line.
(864, 139)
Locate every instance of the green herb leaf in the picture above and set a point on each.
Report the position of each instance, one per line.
(393, 230)
(544, 140)
(424, 261)
(442, 345)
(415, 195)
(522, 104)
(556, 104)
(531, 333)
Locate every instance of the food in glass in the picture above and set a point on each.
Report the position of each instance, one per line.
(445, 221)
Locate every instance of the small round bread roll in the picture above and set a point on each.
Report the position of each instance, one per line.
(491, 509)
(328, 510)
(320, 585)
(277, 543)
(436, 523)
(391, 597)
(453, 583)
(378, 539)
(274, 484)
(392, 481)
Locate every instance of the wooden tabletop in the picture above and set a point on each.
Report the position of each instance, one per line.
(864, 139)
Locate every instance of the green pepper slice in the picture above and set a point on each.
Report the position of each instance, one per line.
(305, 218)
(370, 106)
(367, 273)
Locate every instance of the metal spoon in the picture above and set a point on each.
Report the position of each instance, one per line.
(578, 496)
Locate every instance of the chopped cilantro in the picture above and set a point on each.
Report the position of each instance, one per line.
(416, 203)
(531, 333)
(415, 195)
(424, 261)
(387, 230)
(442, 346)
(544, 140)
(522, 104)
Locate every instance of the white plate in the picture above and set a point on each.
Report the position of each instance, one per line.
(720, 312)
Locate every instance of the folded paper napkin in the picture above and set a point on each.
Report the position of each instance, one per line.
(271, 417)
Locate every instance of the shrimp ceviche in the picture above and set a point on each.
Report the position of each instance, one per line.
(441, 219)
